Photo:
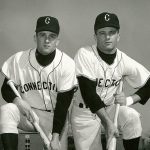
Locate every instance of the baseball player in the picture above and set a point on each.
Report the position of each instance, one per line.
(45, 77)
(100, 69)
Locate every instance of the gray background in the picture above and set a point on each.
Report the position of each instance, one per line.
(76, 17)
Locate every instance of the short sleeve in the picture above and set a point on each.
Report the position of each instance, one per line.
(84, 64)
(137, 74)
(67, 80)
(10, 69)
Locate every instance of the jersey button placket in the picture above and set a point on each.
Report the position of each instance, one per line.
(43, 91)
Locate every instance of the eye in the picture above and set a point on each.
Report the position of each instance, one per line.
(101, 33)
(113, 32)
(53, 36)
(41, 34)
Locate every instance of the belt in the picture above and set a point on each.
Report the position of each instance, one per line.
(42, 109)
(81, 105)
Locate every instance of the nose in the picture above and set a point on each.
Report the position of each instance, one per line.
(107, 36)
(47, 39)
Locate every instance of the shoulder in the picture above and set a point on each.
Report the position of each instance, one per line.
(65, 60)
(85, 51)
(126, 58)
(64, 57)
(14, 62)
(17, 56)
(23, 57)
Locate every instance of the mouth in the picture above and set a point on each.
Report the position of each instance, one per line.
(46, 46)
(108, 43)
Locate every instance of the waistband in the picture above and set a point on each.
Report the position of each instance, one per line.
(81, 105)
(42, 109)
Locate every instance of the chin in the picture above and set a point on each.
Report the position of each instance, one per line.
(47, 51)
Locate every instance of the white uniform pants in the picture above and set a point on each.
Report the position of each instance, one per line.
(11, 119)
(86, 126)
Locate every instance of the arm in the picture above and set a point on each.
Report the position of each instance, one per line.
(60, 113)
(141, 95)
(88, 92)
(7, 93)
(92, 99)
(10, 97)
(62, 105)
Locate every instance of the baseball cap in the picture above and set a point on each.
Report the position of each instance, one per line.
(47, 23)
(106, 19)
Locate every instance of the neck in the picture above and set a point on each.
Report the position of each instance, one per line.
(108, 58)
(110, 51)
(45, 60)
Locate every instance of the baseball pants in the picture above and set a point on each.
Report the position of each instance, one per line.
(11, 120)
(86, 126)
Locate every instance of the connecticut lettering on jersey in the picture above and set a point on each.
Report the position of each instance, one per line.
(100, 82)
(38, 86)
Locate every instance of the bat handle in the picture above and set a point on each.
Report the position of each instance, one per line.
(116, 114)
(43, 136)
(36, 125)
(11, 84)
(112, 145)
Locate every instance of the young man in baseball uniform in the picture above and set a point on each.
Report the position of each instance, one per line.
(45, 77)
(100, 70)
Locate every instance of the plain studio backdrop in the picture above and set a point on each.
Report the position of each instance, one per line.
(76, 17)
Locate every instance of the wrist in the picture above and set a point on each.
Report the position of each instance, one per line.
(129, 101)
(16, 100)
(55, 136)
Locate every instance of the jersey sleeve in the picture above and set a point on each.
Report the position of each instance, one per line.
(67, 80)
(136, 74)
(10, 69)
(84, 64)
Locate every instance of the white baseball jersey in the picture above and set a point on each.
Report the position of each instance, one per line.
(89, 64)
(38, 84)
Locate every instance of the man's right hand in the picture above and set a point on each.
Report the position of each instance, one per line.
(55, 143)
(111, 131)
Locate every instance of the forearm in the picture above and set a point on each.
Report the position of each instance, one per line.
(88, 92)
(102, 114)
(61, 110)
(141, 95)
(144, 93)
(59, 120)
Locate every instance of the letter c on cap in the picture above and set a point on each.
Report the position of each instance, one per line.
(107, 17)
(47, 20)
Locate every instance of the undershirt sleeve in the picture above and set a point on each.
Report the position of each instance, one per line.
(144, 92)
(7, 93)
(61, 109)
(89, 95)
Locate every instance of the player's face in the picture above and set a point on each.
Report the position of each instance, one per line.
(46, 42)
(107, 39)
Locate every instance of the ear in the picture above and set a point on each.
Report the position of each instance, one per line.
(95, 38)
(118, 39)
(34, 37)
(57, 42)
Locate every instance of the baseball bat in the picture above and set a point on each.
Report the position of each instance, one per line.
(35, 124)
(113, 142)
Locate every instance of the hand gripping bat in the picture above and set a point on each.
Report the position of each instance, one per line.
(113, 142)
(35, 123)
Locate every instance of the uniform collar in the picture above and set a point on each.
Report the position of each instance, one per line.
(34, 63)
